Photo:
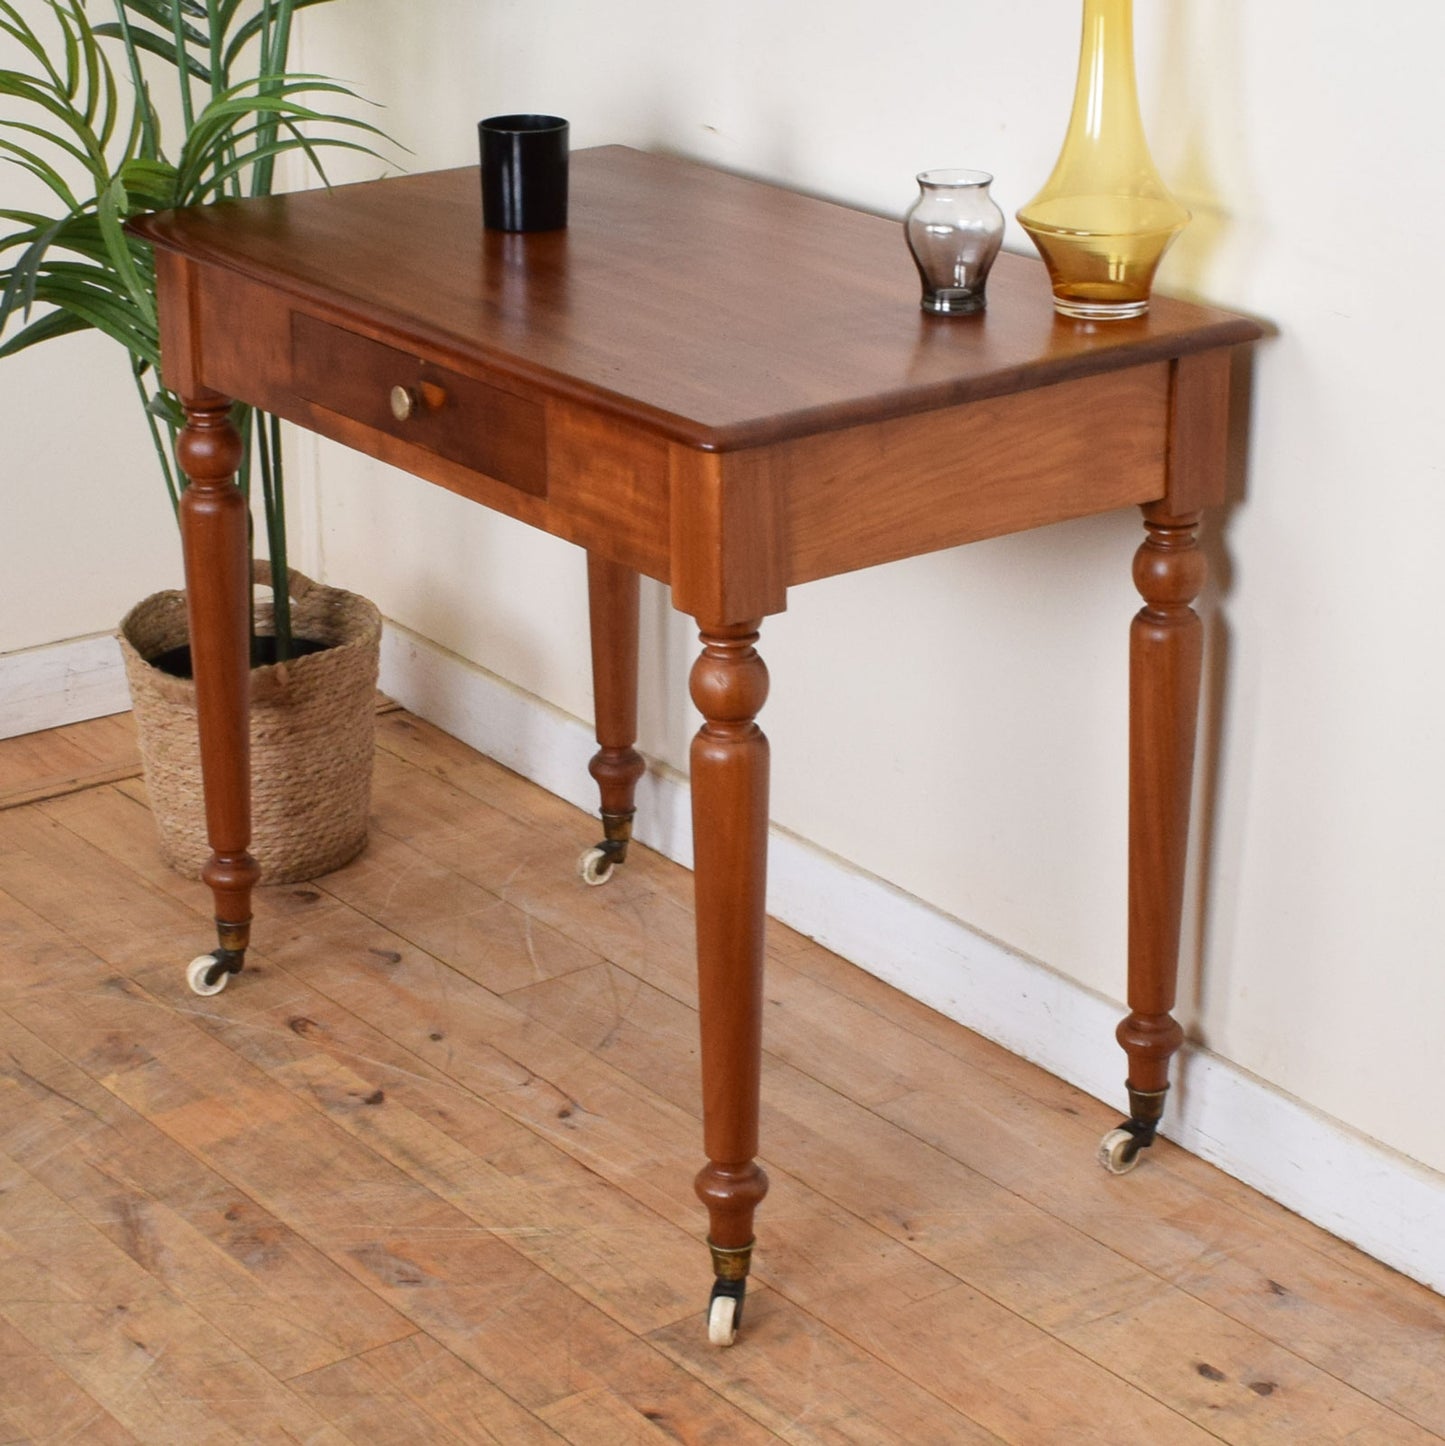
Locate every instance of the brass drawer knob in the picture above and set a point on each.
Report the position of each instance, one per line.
(403, 403)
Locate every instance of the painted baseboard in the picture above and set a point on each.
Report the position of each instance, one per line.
(61, 683)
(1387, 1204)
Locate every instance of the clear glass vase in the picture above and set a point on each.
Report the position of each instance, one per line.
(954, 231)
(1105, 219)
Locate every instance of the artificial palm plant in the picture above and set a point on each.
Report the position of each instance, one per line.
(84, 117)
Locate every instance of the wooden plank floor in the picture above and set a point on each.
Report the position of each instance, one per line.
(423, 1173)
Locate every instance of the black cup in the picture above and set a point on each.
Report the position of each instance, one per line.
(524, 172)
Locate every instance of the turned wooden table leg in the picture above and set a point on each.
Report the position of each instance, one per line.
(730, 840)
(218, 579)
(612, 594)
(1165, 657)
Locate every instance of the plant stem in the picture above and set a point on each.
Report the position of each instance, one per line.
(183, 66)
(163, 453)
(149, 140)
(273, 504)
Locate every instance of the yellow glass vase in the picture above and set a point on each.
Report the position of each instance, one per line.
(1104, 219)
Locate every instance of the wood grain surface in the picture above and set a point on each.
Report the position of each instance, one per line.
(419, 1176)
(801, 315)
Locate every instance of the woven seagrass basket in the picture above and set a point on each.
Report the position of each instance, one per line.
(312, 733)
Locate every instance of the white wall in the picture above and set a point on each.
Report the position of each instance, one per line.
(989, 719)
(988, 716)
(85, 527)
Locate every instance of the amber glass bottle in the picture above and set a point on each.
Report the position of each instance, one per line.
(1104, 219)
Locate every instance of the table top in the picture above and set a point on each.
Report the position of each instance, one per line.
(707, 308)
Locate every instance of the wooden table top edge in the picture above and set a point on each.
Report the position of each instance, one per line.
(1132, 344)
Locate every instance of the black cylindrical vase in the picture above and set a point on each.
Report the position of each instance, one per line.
(524, 172)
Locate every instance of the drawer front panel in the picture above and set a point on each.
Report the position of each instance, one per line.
(457, 417)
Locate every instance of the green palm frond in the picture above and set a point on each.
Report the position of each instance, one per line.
(103, 167)
(92, 294)
(165, 18)
(128, 33)
(23, 277)
(151, 184)
(248, 124)
(274, 28)
(94, 143)
(43, 328)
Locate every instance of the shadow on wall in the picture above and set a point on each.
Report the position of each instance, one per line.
(1210, 918)
(1203, 158)
(1199, 40)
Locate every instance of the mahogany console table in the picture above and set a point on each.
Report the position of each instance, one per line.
(730, 388)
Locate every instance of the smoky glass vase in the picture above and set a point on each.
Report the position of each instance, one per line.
(954, 231)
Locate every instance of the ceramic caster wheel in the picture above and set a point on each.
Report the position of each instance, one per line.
(595, 866)
(197, 971)
(725, 1311)
(722, 1320)
(1119, 1152)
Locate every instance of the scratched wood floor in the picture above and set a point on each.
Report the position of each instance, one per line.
(423, 1173)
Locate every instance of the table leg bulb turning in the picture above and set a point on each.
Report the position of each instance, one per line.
(1165, 659)
(612, 593)
(216, 550)
(730, 838)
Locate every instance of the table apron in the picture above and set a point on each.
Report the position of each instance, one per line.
(912, 485)
(730, 531)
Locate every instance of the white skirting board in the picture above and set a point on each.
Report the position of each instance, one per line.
(61, 683)
(1388, 1205)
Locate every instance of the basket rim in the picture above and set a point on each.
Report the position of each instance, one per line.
(365, 634)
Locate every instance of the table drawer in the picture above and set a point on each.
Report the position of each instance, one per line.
(418, 402)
